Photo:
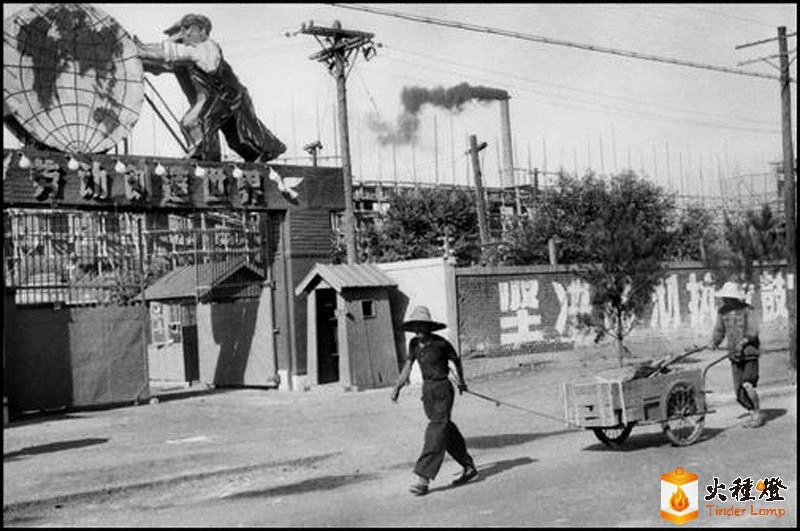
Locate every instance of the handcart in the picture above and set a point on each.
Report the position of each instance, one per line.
(657, 393)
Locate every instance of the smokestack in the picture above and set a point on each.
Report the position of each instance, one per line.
(508, 154)
(413, 98)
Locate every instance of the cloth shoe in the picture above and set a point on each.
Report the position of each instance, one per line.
(467, 475)
(420, 488)
(756, 420)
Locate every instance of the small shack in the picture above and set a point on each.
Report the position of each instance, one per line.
(350, 336)
(174, 301)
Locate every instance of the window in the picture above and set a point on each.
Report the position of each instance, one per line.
(166, 323)
(367, 309)
(157, 325)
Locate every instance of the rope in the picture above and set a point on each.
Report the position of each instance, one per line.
(498, 403)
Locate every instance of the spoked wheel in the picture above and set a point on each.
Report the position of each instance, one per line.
(685, 421)
(615, 436)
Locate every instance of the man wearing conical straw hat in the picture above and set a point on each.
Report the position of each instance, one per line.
(433, 353)
(738, 321)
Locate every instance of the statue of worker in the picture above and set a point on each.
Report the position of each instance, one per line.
(218, 101)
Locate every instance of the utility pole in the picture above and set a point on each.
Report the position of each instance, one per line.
(474, 149)
(435, 151)
(339, 50)
(312, 149)
(788, 179)
(789, 191)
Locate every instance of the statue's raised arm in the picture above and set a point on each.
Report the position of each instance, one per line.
(218, 101)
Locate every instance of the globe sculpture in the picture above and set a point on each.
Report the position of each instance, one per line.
(72, 77)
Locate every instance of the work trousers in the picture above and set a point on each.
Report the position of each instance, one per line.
(442, 434)
(744, 371)
(235, 117)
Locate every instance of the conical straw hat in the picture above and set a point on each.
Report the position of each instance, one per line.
(731, 290)
(420, 319)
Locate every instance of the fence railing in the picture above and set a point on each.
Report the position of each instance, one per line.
(87, 257)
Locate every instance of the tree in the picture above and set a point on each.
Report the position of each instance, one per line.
(694, 234)
(417, 224)
(524, 242)
(754, 239)
(623, 250)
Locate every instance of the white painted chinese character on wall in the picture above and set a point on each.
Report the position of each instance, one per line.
(521, 298)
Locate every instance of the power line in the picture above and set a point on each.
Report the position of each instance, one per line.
(557, 42)
(574, 102)
(728, 15)
(562, 88)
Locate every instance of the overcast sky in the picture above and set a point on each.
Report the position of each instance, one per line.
(569, 107)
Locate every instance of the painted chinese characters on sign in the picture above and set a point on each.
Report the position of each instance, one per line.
(121, 181)
(773, 297)
(573, 299)
(666, 313)
(701, 309)
(521, 315)
(538, 311)
(519, 298)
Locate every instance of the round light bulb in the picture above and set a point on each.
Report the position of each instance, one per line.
(237, 172)
(24, 162)
(73, 164)
(119, 167)
(199, 172)
(160, 169)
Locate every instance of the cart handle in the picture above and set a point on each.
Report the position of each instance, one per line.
(667, 361)
(705, 371)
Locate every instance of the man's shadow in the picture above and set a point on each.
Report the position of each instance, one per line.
(767, 415)
(489, 470)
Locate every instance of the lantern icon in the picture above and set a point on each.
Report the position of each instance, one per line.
(679, 496)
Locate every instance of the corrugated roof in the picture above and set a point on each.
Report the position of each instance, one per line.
(343, 276)
(187, 281)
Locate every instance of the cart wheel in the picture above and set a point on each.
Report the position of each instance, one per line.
(613, 437)
(683, 425)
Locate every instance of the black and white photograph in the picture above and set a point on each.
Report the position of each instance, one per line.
(428, 265)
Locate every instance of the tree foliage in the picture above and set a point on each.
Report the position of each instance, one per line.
(695, 234)
(750, 240)
(624, 250)
(616, 233)
(419, 223)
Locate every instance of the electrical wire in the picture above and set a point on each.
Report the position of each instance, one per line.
(728, 15)
(562, 88)
(547, 99)
(557, 42)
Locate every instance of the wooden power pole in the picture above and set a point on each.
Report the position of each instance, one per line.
(474, 149)
(788, 190)
(788, 179)
(339, 50)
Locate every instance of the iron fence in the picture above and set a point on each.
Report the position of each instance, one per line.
(76, 257)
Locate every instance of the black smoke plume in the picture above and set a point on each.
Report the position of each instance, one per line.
(413, 98)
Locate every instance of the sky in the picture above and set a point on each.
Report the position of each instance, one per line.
(692, 131)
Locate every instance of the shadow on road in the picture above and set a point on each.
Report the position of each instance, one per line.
(492, 469)
(53, 447)
(307, 485)
(650, 440)
(772, 414)
(39, 417)
(484, 442)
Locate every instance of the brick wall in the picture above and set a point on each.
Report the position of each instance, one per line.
(515, 310)
(310, 243)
